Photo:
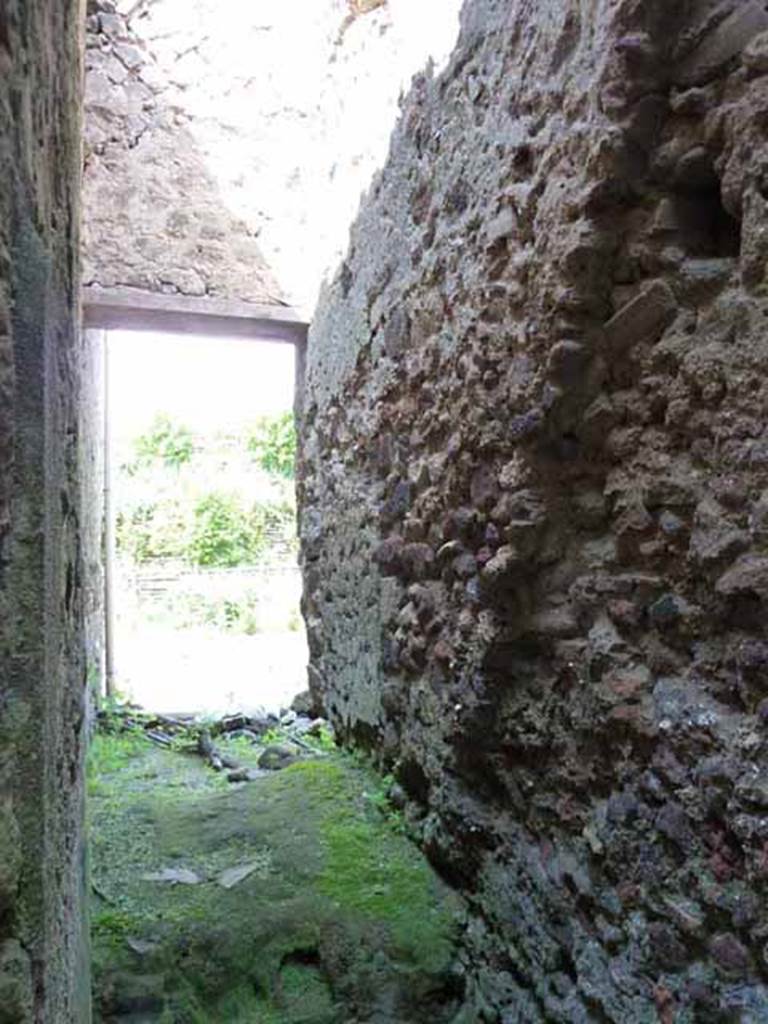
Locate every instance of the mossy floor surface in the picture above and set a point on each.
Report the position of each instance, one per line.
(339, 918)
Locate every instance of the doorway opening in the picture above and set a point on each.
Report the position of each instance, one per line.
(202, 584)
(242, 868)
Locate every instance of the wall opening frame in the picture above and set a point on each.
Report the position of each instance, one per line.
(113, 309)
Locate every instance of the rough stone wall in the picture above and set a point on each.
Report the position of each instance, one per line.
(534, 501)
(43, 950)
(154, 218)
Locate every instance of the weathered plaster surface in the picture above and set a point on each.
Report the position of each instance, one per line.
(224, 137)
(43, 954)
(154, 217)
(534, 493)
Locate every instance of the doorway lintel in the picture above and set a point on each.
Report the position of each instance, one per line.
(136, 310)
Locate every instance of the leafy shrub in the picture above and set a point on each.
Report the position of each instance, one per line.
(224, 534)
(216, 530)
(165, 442)
(167, 509)
(272, 442)
(155, 530)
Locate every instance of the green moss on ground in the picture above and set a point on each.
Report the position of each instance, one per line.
(339, 916)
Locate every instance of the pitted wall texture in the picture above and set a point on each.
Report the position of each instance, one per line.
(534, 499)
(43, 952)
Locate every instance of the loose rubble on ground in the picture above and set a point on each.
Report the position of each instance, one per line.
(281, 739)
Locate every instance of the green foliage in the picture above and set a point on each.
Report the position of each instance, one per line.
(305, 995)
(217, 530)
(273, 444)
(155, 530)
(378, 798)
(322, 741)
(166, 442)
(369, 867)
(273, 736)
(367, 872)
(224, 534)
(110, 752)
(115, 713)
(243, 1006)
(111, 925)
(167, 509)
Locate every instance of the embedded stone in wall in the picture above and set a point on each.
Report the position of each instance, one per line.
(723, 44)
(538, 594)
(647, 314)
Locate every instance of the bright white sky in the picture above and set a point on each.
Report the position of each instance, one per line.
(207, 384)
